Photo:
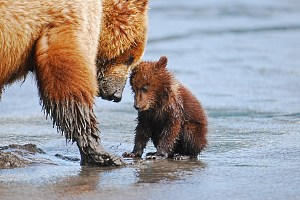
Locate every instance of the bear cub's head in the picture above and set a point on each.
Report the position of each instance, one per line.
(151, 84)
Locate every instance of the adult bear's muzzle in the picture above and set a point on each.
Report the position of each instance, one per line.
(111, 88)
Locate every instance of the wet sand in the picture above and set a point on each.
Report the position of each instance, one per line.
(240, 59)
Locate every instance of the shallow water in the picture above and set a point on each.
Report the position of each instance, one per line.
(240, 58)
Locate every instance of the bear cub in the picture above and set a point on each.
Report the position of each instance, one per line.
(168, 114)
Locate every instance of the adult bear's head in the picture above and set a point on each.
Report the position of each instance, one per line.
(122, 42)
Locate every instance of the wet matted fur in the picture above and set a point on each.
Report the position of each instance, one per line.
(168, 113)
(63, 43)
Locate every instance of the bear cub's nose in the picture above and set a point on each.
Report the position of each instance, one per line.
(136, 107)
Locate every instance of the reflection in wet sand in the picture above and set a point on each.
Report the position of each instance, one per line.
(85, 182)
(90, 179)
(130, 181)
(102, 182)
(167, 170)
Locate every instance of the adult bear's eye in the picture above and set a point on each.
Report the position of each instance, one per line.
(130, 60)
(144, 88)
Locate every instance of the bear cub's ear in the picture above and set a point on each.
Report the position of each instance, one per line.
(141, 5)
(162, 63)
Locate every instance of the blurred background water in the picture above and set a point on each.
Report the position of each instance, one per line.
(240, 58)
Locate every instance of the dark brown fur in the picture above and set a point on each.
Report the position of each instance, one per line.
(168, 113)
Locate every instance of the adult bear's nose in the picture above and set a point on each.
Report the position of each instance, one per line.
(117, 96)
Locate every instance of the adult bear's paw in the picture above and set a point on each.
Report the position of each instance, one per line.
(107, 159)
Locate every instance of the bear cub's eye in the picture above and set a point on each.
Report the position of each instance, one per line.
(144, 88)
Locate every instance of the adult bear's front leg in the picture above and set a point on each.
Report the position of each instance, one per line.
(67, 86)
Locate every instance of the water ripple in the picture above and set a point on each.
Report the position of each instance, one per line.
(194, 33)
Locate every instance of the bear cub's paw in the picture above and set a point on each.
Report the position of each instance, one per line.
(131, 155)
(156, 156)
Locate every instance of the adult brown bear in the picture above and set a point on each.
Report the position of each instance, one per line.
(70, 46)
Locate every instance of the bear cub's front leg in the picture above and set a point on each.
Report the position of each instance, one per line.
(166, 141)
(142, 136)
